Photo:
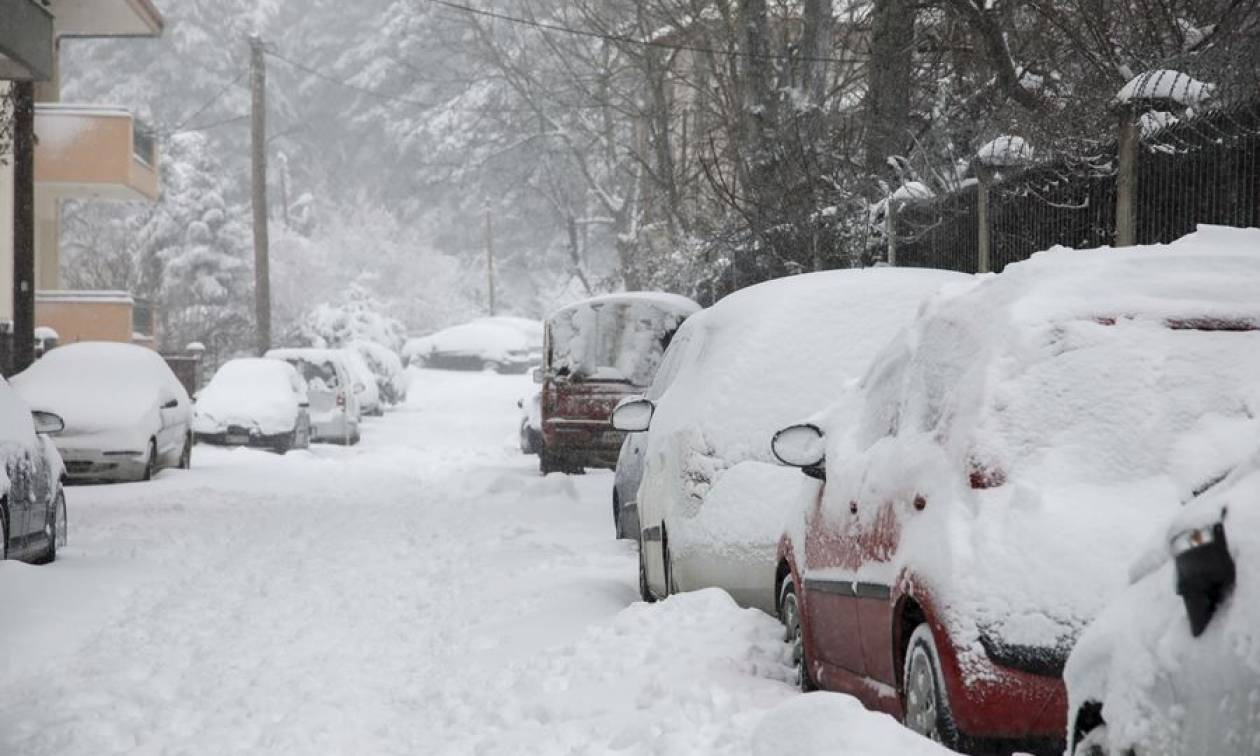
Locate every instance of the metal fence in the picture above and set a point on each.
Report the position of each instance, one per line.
(1190, 171)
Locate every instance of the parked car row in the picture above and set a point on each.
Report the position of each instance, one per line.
(1005, 477)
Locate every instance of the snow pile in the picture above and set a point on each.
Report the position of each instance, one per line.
(1049, 417)
(386, 367)
(1163, 690)
(832, 724)
(1165, 85)
(108, 391)
(252, 392)
(1005, 151)
(616, 337)
(913, 190)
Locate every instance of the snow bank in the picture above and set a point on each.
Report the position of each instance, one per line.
(616, 337)
(252, 392)
(1049, 417)
(833, 724)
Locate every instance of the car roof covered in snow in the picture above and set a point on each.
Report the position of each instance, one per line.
(655, 298)
(310, 354)
(487, 338)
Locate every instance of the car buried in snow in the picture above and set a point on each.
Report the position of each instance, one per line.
(125, 413)
(498, 345)
(595, 353)
(254, 401)
(978, 496)
(330, 391)
(710, 501)
(32, 502)
(1172, 665)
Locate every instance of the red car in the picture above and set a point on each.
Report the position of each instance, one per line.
(984, 489)
(595, 353)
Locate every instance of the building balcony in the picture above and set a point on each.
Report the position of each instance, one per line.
(86, 152)
(26, 40)
(106, 18)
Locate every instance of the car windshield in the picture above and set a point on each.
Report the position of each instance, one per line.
(612, 341)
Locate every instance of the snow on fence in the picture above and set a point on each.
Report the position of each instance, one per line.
(1189, 170)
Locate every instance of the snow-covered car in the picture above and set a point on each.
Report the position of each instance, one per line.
(734, 373)
(597, 352)
(365, 388)
(126, 414)
(32, 503)
(532, 330)
(386, 367)
(254, 401)
(1172, 665)
(987, 483)
(531, 422)
(479, 345)
(330, 391)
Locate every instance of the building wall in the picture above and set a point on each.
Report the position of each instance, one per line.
(108, 320)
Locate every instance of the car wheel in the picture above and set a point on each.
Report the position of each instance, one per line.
(4, 533)
(926, 708)
(617, 516)
(492, 366)
(150, 465)
(793, 635)
(645, 592)
(57, 529)
(185, 456)
(546, 462)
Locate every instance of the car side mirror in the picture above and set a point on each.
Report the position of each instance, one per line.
(171, 404)
(633, 415)
(538, 375)
(47, 423)
(803, 446)
(520, 403)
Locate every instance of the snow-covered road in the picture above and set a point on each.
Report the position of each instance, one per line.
(424, 592)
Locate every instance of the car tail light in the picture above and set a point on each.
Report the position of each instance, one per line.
(341, 399)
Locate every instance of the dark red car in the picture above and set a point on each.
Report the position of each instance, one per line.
(985, 487)
(597, 352)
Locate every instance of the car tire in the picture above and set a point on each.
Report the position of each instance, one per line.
(4, 531)
(794, 634)
(645, 592)
(150, 465)
(926, 708)
(546, 463)
(185, 456)
(617, 516)
(283, 446)
(491, 366)
(58, 529)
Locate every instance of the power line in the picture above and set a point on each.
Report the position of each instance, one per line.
(628, 40)
(343, 83)
(207, 105)
(208, 126)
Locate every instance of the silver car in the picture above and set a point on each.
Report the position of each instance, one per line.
(126, 414)
(331, 390)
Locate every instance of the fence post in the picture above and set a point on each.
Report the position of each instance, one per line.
(1127, 179)
(984, 178)
(890, 230)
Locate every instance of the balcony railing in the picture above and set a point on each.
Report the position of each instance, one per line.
(90, 151)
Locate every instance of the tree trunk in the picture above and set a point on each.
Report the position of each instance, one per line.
(888, 98)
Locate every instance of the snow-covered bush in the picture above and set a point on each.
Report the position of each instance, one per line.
(359, 318)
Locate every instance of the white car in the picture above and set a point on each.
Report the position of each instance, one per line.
(330, 390)
(1172, 666)
(365, 387)
(254, 402)
(32, 503)
(479, 345)
(386, 366)
(756, 360)
(126, 414)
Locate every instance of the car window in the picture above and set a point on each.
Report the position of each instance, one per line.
(671, 362)
(319, 376)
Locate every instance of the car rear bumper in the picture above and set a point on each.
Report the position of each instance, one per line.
(588, 443)
(338, 426)
(92, 465)
(245, 438)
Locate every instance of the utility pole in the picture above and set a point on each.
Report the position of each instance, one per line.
(490, 258)
(23, 226)
(262, 265)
